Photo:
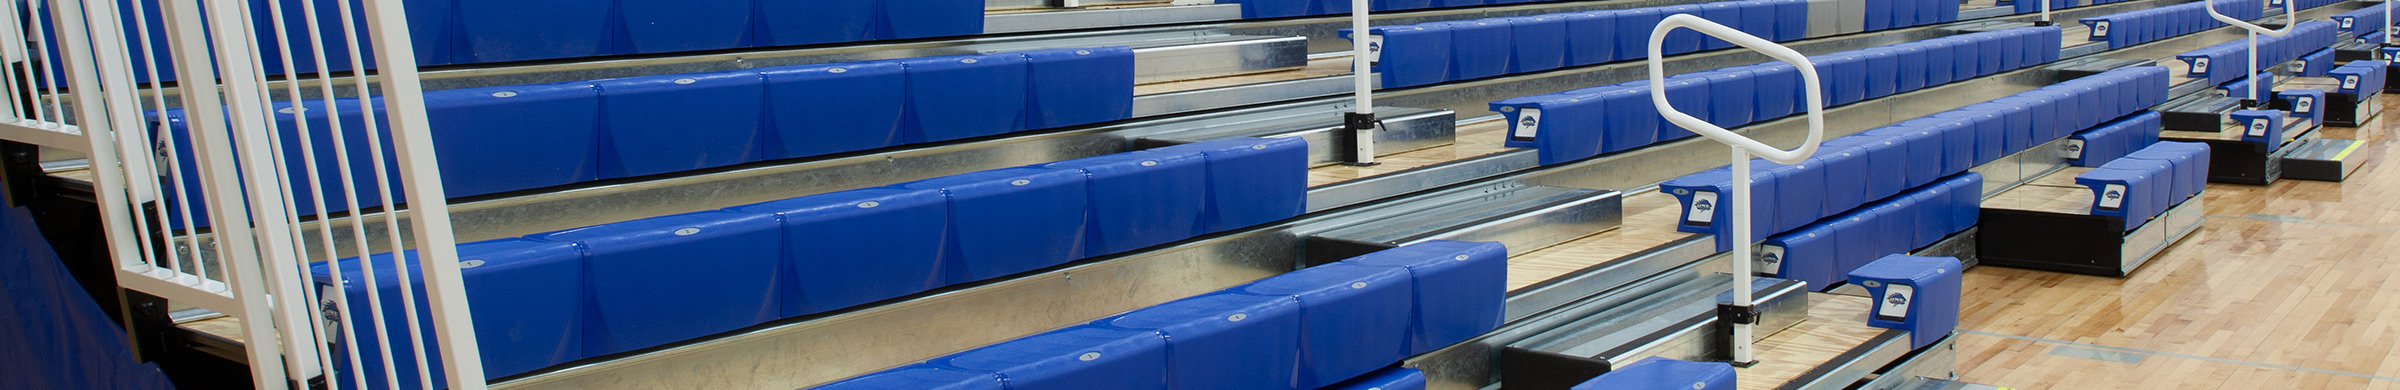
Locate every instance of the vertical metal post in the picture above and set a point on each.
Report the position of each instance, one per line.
(1362, 122)
(2257, 86)
(1742, 312)
(2045, 21)
(421, 178)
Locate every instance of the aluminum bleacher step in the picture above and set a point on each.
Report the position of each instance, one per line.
(1404, 129)
(1029, 15)
(1524, 218)
(2325, 159)
(1679, 322)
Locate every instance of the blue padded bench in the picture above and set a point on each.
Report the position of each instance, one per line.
(2306, 103)
(2359, 78)
(1660, 373)
(2143, 26)
(1916, 294)
(526, 296)
(2109, 141)
(2224, 62)
(1429, 53)
(1887, 161)
(2360, 22)
(1820, 253)
(631, 285)
(1577, 124)
(2145, 183)
(566, 133)
(1335, 326)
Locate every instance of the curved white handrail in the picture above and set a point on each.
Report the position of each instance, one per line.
(1743, 146)
(2290, 20)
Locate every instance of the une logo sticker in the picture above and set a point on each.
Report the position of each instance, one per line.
(1897, 299)
(2258, 128)
(1704, 206)
(2200, 65)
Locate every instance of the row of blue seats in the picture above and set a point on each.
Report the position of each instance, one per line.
(1428, 53)
(554, 297)
(555, 134)
(1824, 252)
(2314, 64)
(2304, 104)
(2359, 78)
(1879, 163)
(488, 31)
(2143, 26)
(2227, 61)
(2360, 21)
(2302, 4)
(1577, 124)
(1306, 329)
(1287, 8)
(2033, 6)
(2145, 183)
(2107, 142)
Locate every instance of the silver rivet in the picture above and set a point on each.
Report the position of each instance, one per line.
(1237, 317)
(869, 204)
(1508, 109)
(1356, 285)
(1258, 147)
(687, 231)
(470, 264)
(1150, 163)
(1680, 191)
(1020, 182)
(504, 94)
(289, 110)
(838, 70)
(1089, 356)
(686, 81)
(1460, 258)
(1083, 52)
(967, 61)
(1872, 284)
(1699, 385)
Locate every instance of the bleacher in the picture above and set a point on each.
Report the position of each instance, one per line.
(2144, 26)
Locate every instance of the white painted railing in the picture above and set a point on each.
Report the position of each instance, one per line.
(2257, 86)
(1743, 146)
(77, 78)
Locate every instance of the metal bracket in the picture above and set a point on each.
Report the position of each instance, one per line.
(1362, 128)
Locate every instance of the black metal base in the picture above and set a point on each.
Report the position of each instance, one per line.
(2069, 243)
(2238, 162)
(1536, 370)
(1321, 250)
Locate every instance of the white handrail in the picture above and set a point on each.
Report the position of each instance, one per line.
(1742, 146)
(1362, 88)
(2290, 19)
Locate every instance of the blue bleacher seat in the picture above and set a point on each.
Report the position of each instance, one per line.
(1413, 55)
(966, 96)
(2180, 182)
(2194, 176)
(684, 25)
(2012, 50)
(1353, 319)
(1707, 206)
(2160, 191)
(648, 290)
(1663, 373)
(329, 174)
(1958, 143)
(1458, 289)
(1591, 37)
(1808, 254)
(1395, 5)
(1732, 97)
(1633, 31)
(1537, 43)
(1916, 294)
(1913, 64)
(1799, 193)
(1258, 9)
(930, 18)
(1395, 378)
(1772, 80)
(1904, 13)
(2261, 126)
(2314, 64)
(1863, 237)
(2119, 193)
(1329, 7)
(1722, 12)
(1012, 220)
(920, 376)
(1688, 92)
(1577, 132)
(1990, 55)
(2041, 118)
(498, 31)
(1224, 340)
(1966, 200)
(833, 108)
(1988, 130)
(1887, 161)
(1933, 213)
(1252, 181)
(1758, 18)
(1080, 357)
(1847, 82)
(1457, 3)
(1791, 19)
(2303, 102)
(853, 247)
(822, 21)
(1883, 71)
(1879, 14)
(1893, 217)
(1479, 48)
(527, 299)
(1630, 118)
(551, 130)
(671, 123)
(1845, 175)
(1925, 151)
(1082, 86)
(1142, 198)
(1679, 41)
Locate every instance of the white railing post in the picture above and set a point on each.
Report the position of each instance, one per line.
(2257, 86)
(1743, 147)
(421, 178)
(1361, 120)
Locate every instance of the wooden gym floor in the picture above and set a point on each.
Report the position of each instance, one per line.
(2283, 287)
